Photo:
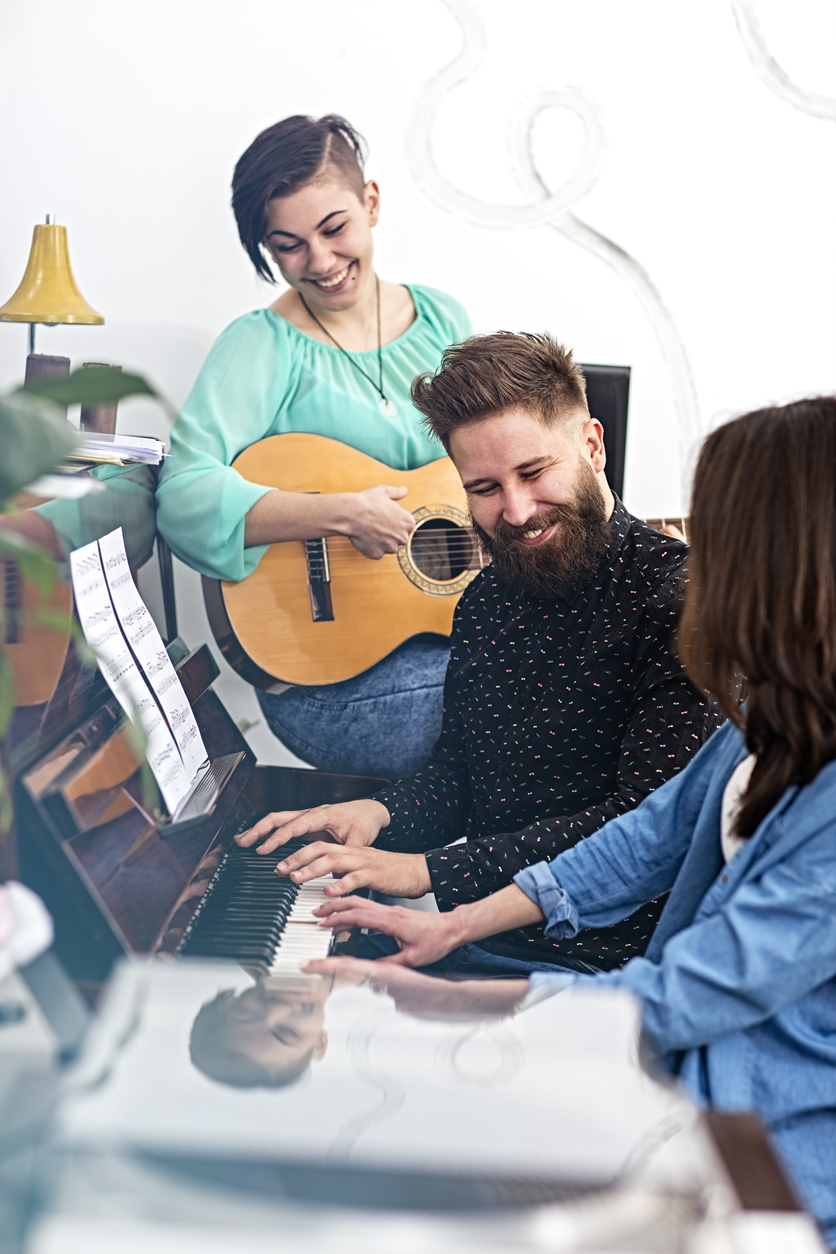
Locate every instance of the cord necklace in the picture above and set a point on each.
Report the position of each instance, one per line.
(387, 407)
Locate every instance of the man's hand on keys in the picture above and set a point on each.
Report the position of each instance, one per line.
(350, 823)
(356, 866)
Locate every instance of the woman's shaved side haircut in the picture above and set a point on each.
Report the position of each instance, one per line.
(296, 151)
(489, 374)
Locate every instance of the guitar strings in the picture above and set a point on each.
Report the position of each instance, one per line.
(459, 540)
(338, 543)
(460, 544)
(457, 551)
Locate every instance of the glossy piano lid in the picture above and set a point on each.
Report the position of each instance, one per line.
(343, 1077)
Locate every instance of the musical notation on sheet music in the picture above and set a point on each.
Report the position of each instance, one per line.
(105, 636)
(147, 645)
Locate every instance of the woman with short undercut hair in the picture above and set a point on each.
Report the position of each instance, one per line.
(334, 356)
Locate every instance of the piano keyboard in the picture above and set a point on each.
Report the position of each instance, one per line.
(251, 915)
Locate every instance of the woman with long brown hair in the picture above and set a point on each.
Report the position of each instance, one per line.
(738, 984)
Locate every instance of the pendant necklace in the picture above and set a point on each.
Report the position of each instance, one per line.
(387, 407)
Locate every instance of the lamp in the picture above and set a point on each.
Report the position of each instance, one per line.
(48, 292)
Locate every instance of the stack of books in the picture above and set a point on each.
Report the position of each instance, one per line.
(115, 450)
(69, 482)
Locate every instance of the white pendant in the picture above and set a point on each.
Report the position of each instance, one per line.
(389, 408)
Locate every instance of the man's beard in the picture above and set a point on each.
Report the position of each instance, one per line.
(568, 559)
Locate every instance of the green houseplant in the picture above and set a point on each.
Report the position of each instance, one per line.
(35, 437)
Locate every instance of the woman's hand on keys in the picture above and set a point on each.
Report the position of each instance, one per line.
(422, 937)
(349, 823)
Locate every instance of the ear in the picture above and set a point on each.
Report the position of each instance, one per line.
(371, 198)
(592, 444)
(321, 1046)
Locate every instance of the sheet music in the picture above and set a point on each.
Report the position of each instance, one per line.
(105, 637)
(147, 644)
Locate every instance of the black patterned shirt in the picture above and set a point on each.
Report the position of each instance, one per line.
(558, 715)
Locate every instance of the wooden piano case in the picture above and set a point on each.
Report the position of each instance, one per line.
(89, 826)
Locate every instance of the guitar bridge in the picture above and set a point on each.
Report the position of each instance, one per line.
(319, 580)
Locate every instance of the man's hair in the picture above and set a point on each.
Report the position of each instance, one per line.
(285, 157)
(213, 1051)
(488, 374)
(760, 606)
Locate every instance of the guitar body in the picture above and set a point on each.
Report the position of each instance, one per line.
(34, 649)
(274, 626)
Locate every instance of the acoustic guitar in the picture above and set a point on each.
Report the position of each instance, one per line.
(34, 632)
(318, 611)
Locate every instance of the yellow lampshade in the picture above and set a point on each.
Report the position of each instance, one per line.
(48, 291)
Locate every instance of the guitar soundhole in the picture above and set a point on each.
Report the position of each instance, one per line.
(442, 551)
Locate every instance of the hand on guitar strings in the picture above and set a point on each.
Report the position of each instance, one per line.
(371, 519)
(423, 938)
(349, 823)
(359, 866)
(378, 526)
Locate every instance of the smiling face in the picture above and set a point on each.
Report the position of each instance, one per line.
(538, 496)
(320, 237)
(515, 467)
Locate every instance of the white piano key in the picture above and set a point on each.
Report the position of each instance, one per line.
(299, 943)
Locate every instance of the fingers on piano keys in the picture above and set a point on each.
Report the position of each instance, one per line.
(262, 920)
(303, 939)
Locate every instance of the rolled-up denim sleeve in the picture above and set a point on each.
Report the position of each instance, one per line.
(540, 886)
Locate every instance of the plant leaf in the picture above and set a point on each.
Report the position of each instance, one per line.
(34, 437)
(90, 385)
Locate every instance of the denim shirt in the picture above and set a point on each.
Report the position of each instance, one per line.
(738, 983)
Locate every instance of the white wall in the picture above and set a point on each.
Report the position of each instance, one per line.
(716, 178)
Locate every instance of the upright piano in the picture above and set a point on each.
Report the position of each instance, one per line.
(119, 879)
(116, 877)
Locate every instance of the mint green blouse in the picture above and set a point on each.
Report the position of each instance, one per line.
(265, 377)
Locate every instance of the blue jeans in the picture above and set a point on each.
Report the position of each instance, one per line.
(382, 722)
(471, 961)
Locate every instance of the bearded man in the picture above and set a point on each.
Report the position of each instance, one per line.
(565, 703)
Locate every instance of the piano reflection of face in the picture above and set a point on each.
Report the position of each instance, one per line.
(266, 1036)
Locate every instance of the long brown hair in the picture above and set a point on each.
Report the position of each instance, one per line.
(760, 611)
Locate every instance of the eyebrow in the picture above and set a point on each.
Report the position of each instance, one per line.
(327, 217)
(532, 461)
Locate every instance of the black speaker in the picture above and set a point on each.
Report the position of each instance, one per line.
(608, 394)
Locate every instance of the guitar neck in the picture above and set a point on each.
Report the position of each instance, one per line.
(681, 525)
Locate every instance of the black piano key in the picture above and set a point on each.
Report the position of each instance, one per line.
(245, 910)
(232, 892)
(235, 953)
(211, 922)
(247, 907)
(256, 927)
